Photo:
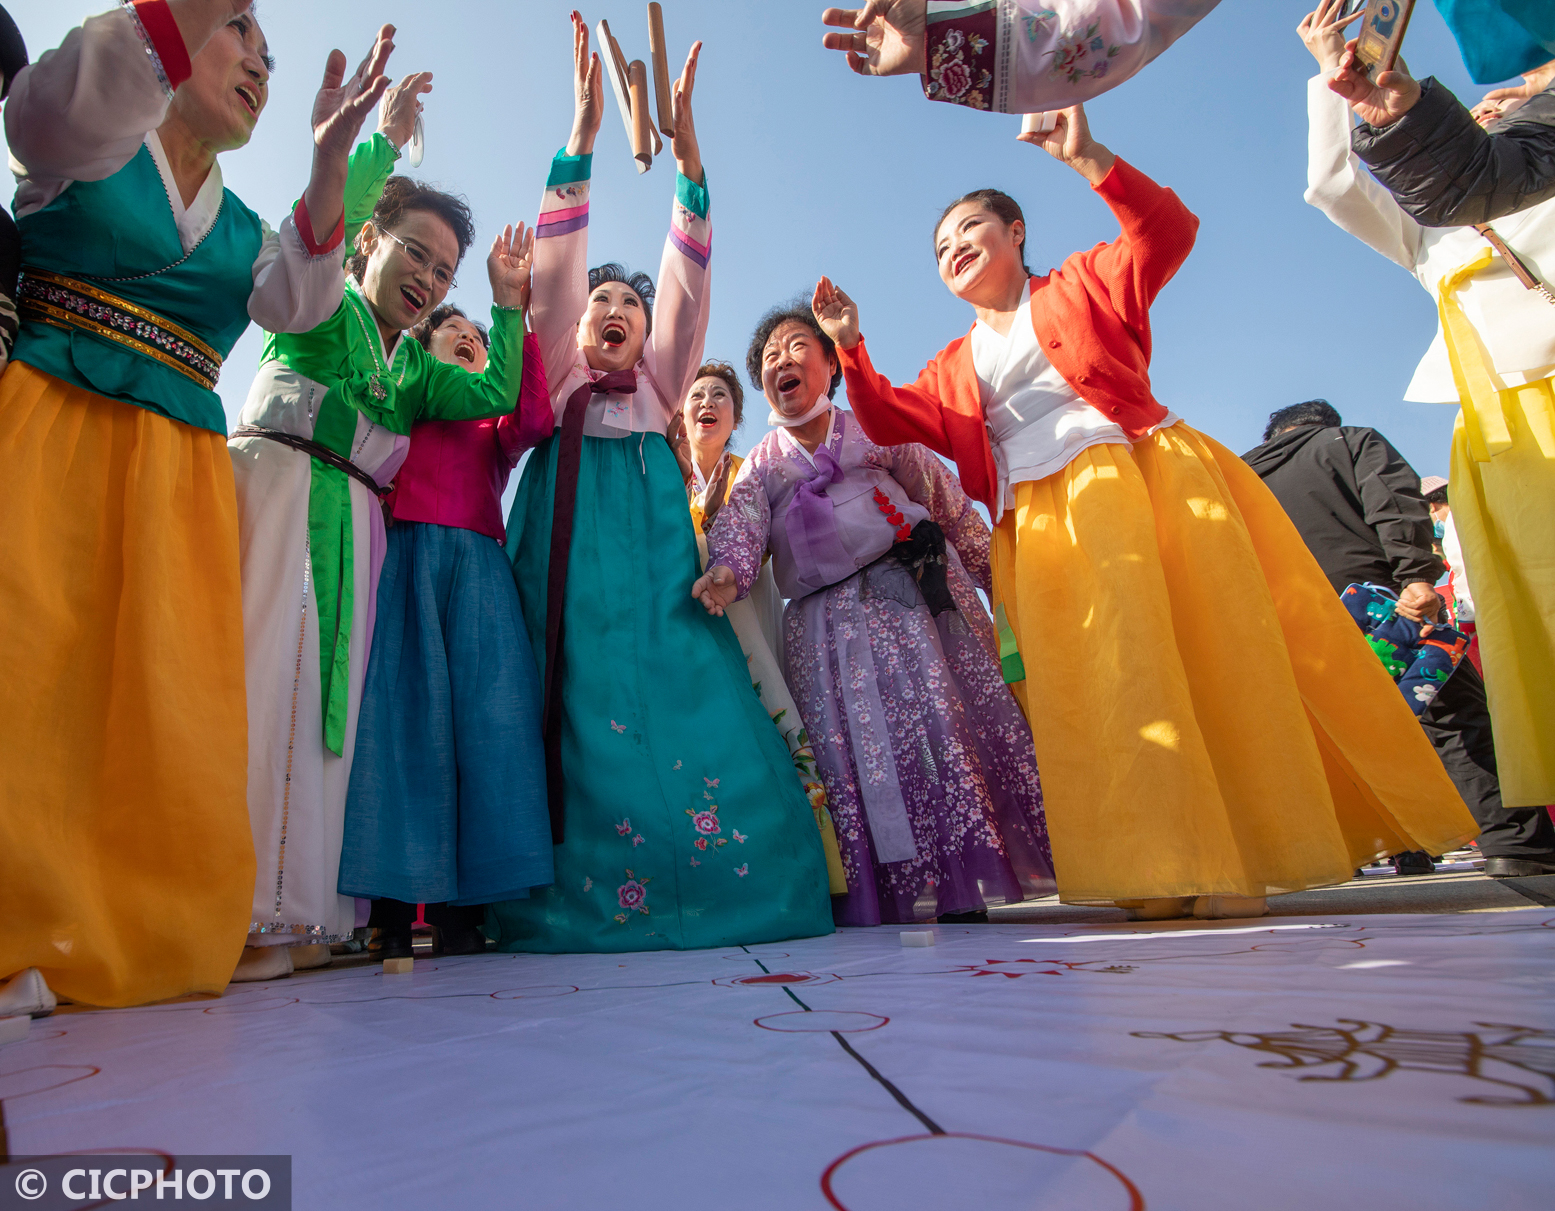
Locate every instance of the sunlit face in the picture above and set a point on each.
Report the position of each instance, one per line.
(796, 370)
(611, 332)
(458, 342)
(709, 413)
(1440, 510)
(223, 98)
(973, 244)
(401, 293)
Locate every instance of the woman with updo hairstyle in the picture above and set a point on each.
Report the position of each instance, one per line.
(1210, 725)
(447, 799)
(675, 813)
(326, 426)
(128, 864)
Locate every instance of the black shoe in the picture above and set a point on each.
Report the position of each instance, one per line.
(980, 917)
(1413, 862)
(388, 944)
(462, 942)
(1519, 868)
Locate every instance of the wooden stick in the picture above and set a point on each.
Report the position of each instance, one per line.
(615, 68)
(642, 124)
(661, 68)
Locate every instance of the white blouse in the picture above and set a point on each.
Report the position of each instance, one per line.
(1037, 422)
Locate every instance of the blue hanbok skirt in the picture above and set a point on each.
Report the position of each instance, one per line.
(447, 798)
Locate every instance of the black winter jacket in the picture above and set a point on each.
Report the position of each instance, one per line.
(1448, 171)
(1355, 502)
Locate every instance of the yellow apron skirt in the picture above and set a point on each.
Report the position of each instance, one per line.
(126, 861)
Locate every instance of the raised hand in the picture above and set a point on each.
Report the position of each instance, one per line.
(1534, 82)
(716, 590)
(1324, 34)
(1380, 102)
(509, 265)
(342, 105)
(688, 154)
(401, 104)
(836, 313)
(886, 38)
(588, 92)
(1070, 142)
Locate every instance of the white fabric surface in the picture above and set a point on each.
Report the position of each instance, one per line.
(659, 1082)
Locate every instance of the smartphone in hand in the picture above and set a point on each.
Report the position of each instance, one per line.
(1381, 34)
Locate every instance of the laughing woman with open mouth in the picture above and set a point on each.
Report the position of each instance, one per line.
(324, 430)
(677, 818)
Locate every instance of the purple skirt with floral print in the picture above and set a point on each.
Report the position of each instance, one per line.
(910, 713)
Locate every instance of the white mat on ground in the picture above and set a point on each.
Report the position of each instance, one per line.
(1286, 1063)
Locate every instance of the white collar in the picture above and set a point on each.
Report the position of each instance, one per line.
(787, 435)
(1022, 306)
(696, 471)
(195, 220)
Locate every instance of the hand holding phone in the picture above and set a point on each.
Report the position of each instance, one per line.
(1381, 34)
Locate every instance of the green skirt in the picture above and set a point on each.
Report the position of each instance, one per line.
(685, 826)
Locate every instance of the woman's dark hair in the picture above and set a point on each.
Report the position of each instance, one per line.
(1312, 412)
(639, 284)
(731, 379)
(797, 310)
(1005, 208)
(441, 314)
(402, 195)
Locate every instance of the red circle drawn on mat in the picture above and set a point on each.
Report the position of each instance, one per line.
(534, 991)
(817, 1018)
(1136, 1199)
(777, 979)
(260, 1005)
(83, 1070)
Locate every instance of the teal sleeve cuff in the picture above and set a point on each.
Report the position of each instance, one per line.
(568, 170)
(692, 197)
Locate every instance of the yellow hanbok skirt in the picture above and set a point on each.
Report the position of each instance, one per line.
(126, 861)
(1207, 717)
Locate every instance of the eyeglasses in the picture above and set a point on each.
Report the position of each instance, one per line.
(420, 259)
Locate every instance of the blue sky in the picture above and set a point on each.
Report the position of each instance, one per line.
(812, 170)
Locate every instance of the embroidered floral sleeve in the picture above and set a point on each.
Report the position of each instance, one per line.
(561, 269)
(740, 532)
(1022, 56)
(933, 485)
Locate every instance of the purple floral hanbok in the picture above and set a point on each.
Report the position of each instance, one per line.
(927, 759)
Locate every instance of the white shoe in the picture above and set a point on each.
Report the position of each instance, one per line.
(1161, 908)
(1220, 908)
(27, 996)
(263, 963)
(305, 957)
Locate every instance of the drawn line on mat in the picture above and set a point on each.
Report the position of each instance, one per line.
(901, 1098)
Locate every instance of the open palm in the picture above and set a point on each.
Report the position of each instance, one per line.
(342, 105)
(509, 266)
(885, 38)
(836, 313)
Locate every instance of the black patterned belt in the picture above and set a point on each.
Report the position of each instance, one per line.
(327, 456)
(64, 302)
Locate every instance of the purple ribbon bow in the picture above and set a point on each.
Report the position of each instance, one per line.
(811, 526)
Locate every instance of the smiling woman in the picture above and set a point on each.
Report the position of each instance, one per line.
(128, 868)
(324, 430)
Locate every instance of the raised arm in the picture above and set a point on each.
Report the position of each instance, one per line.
(681, 305)
(889, 415)
(1011, 56)
(81, 111)
(456, 394)
(561, 268)
(932, 484)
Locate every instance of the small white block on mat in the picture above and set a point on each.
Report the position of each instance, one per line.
(14, 1030)
(917, 937)
(398, 967)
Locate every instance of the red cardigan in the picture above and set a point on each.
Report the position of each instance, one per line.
(1092, 316)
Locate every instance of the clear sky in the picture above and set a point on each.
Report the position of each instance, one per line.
(812, 170)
